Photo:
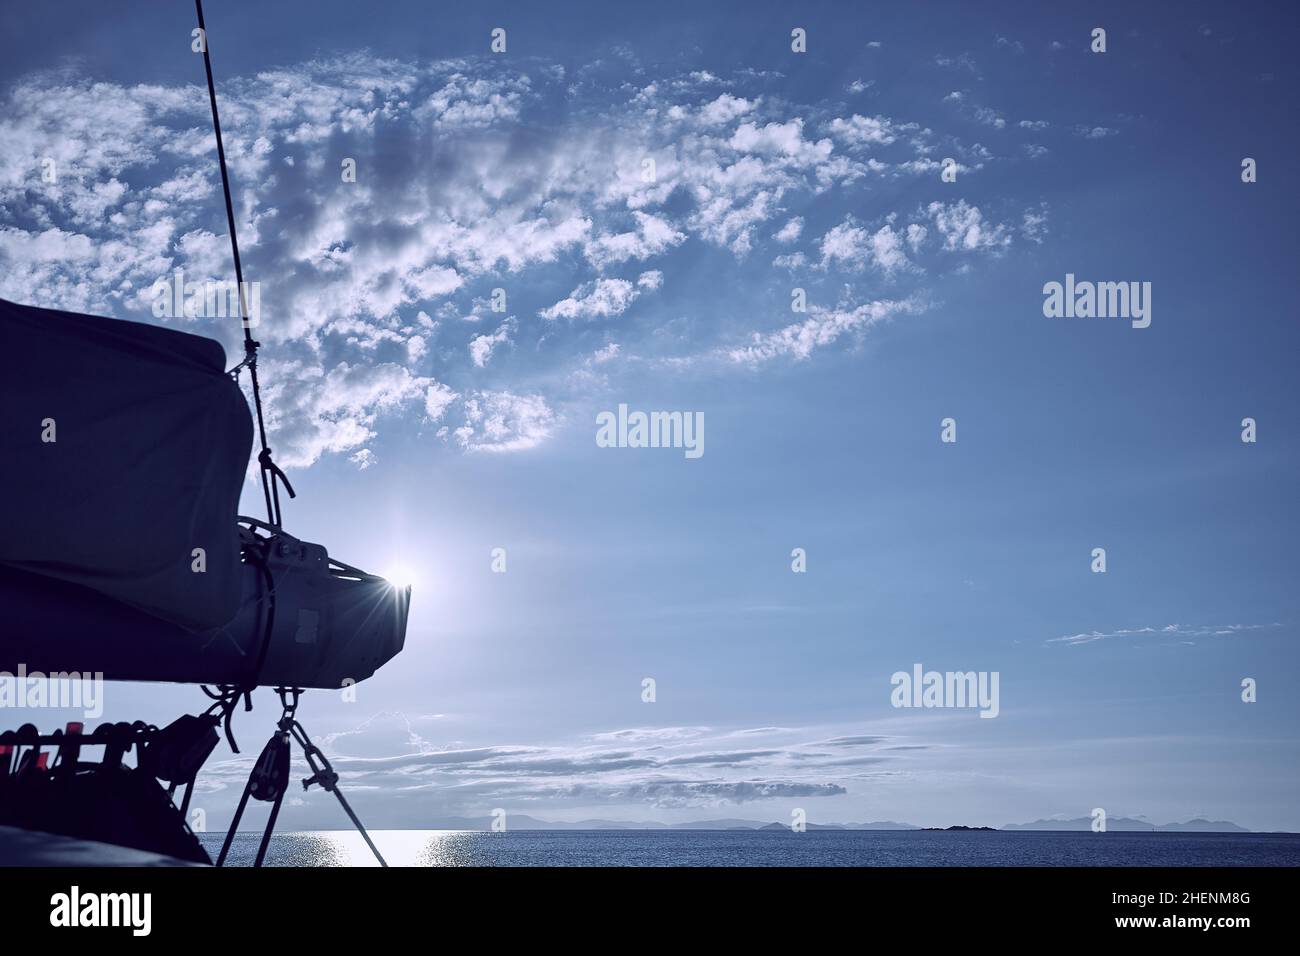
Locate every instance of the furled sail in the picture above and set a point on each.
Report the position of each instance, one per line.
(125, 447)
(124, 450)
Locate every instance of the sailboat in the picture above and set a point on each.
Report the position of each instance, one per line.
(123, 557)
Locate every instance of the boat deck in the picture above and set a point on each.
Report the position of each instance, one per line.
(31, 848)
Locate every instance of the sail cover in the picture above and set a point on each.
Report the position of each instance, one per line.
(124, 448)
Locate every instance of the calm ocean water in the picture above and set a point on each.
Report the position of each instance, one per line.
(766, 848)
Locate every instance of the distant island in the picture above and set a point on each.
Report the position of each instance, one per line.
(1128, 824)
(941, 829)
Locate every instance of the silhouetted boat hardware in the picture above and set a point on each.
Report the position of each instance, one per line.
(122, 555)
(109, 801)
(304, 620)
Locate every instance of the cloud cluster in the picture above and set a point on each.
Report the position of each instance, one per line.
(503, 421)
(823, 326)
(603, 298)
(379, 202)
(1182, 633)
(657, 767)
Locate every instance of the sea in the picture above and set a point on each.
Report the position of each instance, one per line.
(765, 848)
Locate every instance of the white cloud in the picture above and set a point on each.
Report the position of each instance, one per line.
(981, 114)
(1183, 633)
(653, 235)
(851, 246)
(822, 327)
(416, 347)
(724, 109)
(312, 411)
(432, 282)
(650, 281)
(790, 231)
(437, 398)
(464, 102)
(720, 220)
(600, 299)
(963, 61)
(503, 421)
(863, 130)
(1033, 225)
(482, 346)
(964, 227)
(781, 138)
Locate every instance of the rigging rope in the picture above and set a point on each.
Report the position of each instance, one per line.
(270, 472)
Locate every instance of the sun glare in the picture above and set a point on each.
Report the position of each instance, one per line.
(401, 576)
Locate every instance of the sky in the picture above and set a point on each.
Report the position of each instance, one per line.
(422, 428)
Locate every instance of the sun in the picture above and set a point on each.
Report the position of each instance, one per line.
(401, 575)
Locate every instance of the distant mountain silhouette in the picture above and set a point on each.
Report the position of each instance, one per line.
(727, 824)
(809, 826)
(1201, 825)
(881, 825)
(1129, 824)
(520, 821)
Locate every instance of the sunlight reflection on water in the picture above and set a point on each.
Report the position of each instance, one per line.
(421, 848)
(417, 848)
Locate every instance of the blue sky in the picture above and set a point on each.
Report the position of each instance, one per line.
(423, 429)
